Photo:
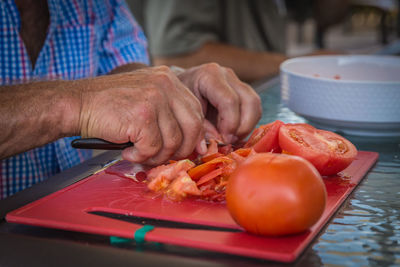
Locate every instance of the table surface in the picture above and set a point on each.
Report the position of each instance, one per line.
(364, 232)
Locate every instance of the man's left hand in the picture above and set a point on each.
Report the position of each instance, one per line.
(238, 106)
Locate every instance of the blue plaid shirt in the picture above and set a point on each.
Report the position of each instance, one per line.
(85, 38)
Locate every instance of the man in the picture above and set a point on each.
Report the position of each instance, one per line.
(53, 59)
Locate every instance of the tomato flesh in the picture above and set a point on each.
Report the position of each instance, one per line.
(200, 170)
(265, 138)
(329, 152)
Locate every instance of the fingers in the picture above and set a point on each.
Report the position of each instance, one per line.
(156, 144)
(238, 105)
(189, 116)
(201, 147)
(227, 102)
(210, 131)
(174, 129)
(250, 105)
(146, 135)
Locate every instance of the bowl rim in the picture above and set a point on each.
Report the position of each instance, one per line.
(283, 69)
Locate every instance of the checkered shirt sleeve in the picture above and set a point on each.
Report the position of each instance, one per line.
(85, 38)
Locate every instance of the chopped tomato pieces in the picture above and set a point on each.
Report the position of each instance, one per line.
(211, 157)
(182, 186)
(205, 168)
(160, 177)
(211, 175)
(207, 176)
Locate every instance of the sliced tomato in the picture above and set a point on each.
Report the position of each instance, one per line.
(329, 152)
(209, 176)
(161, 176)
(265, 138)
(182, 186)
(197, 172)
(244, 152)
(214, 151)
(211, 157)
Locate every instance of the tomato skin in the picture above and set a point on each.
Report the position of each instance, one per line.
(329, 152)
(275, 194)
(265, 138)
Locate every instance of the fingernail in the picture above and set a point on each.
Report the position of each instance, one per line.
(203, 147)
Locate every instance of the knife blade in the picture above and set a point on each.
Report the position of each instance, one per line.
(161, 222)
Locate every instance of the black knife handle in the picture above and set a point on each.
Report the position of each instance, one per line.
(96, 143)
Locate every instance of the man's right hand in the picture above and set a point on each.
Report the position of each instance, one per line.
(149, 107)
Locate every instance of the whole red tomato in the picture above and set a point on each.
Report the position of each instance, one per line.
(275, 194)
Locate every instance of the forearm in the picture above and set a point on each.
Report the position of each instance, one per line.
(128, 67)
(248, 65)
(35, 114)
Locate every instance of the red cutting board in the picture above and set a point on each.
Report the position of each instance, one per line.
(67, 209)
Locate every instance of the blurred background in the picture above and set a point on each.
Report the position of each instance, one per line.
(178, 29)
(351, 26)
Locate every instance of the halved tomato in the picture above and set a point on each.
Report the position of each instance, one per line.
(329, 152)
(265, 138)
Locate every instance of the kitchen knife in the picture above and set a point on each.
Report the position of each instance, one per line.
(97, 143)
(161, 222)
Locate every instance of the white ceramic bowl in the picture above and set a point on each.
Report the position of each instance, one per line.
(356, 94)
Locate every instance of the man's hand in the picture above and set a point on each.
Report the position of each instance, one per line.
(149, 107)
(238, 107)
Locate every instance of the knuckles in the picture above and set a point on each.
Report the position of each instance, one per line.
(164, 80)
(231, 100)
(173, 143)
(163, 68)
(144, 113)
(152, 94)
(230, 71)
(211, 67)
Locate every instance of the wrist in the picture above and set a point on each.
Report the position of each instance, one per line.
(71, 106)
